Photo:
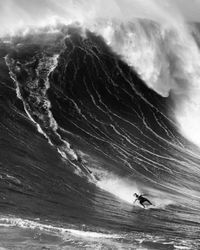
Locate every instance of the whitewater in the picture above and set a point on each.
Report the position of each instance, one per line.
(99, 101)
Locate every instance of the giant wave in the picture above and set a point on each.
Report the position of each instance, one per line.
(95, 109)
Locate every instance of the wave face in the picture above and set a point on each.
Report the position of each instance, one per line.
(82, 129)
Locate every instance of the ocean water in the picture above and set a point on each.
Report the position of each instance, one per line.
(89, 116)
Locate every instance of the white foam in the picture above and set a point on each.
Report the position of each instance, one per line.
(181, 247)
(28, 224)
(120, 187)
(91, 234)
(124, 189)
(49, 63)
(19, 14)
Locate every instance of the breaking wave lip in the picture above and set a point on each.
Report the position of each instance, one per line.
(154, 39)
(28, 224)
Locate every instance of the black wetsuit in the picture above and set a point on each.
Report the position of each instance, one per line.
(142, 200)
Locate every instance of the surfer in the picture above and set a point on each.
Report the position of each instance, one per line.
(142, 199)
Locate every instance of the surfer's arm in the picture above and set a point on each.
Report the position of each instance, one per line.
(135, 200)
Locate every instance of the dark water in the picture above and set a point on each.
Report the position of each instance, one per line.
(80, 133)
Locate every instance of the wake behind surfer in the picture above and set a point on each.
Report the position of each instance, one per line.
(141, 199)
